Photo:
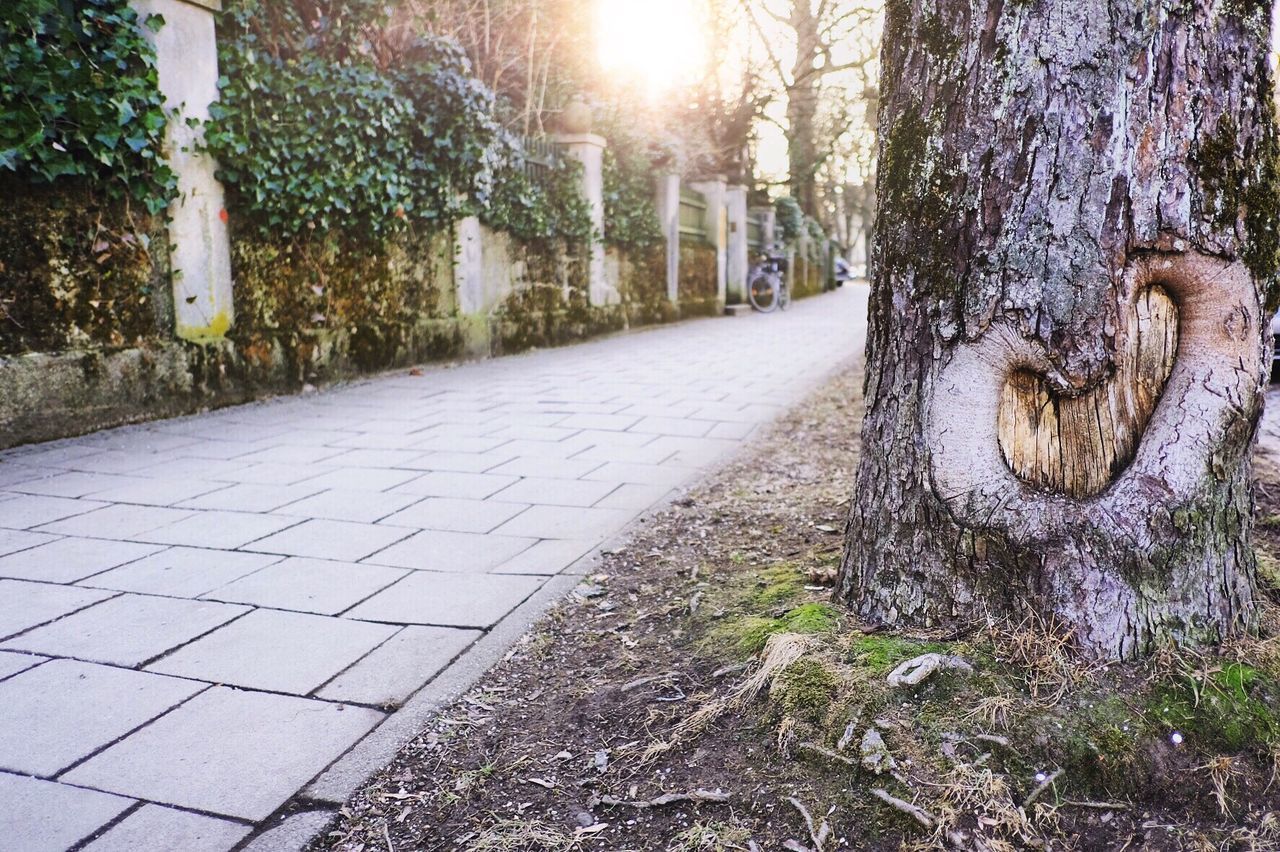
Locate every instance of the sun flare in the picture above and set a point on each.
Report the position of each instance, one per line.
(657, 43)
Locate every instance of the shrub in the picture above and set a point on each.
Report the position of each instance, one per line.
(79, 97)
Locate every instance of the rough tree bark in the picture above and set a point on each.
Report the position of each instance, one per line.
(1076, 244)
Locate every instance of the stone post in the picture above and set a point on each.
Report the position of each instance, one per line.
(588, 149)
(737, 250)
(717, 225)
(667, 203)
(199, 246)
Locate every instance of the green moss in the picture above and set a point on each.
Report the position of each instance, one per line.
(812, 618)
(1229, 711)
(881, 654)
(746, 635)
(804, 690)
(1245, 178)
(1098, 747)
(1268, 569)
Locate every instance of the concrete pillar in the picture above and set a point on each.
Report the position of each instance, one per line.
(667, 203)
(717, 225)
(468, 266)
(588, 149)
(737, 251)
(200, 249)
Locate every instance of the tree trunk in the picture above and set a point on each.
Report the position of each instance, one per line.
(1068, 342)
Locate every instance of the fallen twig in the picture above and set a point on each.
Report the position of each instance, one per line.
(819, 834)
(823, 751)
(639, 682)
(715, 796)
(917, 813)
(1041, 787)
(1097, 806)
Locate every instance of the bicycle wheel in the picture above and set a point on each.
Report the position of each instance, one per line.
(762, 291)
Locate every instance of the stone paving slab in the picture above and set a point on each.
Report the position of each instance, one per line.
(299, 565)
(276, 651)
(238, 754)
(56, 714)
(127, 630)
(161, 828)
(24, 605)
(11, 662)
(41, 816)
(399, 667)
(70, 559)
(448, 600)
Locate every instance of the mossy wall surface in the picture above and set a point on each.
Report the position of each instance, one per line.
(78, 270)
(642, 284)
(549, 304)
(86, 317)
(699, 279)
(332, 305)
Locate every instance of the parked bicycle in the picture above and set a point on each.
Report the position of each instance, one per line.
(767, 288)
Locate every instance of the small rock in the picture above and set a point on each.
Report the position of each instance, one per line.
(586, 591)
(602, 760)
(875, 754)
(584, 819)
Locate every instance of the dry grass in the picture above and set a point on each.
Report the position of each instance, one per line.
(1044, 651)
(780, 651)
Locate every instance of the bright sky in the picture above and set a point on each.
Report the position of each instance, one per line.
(656, 43)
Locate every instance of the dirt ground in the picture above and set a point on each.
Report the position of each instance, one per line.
(700, 693)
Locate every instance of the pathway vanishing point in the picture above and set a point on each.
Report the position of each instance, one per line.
(212, 623)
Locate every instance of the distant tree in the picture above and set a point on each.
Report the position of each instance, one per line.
(823, 39)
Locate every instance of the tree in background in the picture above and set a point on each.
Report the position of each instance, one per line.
(1077, 249)
(818, 51)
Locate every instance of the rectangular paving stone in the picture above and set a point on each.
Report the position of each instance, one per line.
(322, 539)
(400, 666)
(566, 522)
(546, 558)
(56, 714)
(126, 630)
(157, 492)
(276, 651)
(455, 515)
(467, 486)
(673, 426)
(44, 816)
(12, 662)
(240, 754)
(182, 572)
(244, 497)
(306, 454)
(72, 484)
(374, 458)
(556, 492)
(266, 473)
(604, 422)
(67, 560)
(363, 507)
(362, 479)
(24, 605)
(158, 827)
(448, 600)
(120, 521)
(548, 468)
(643, 474)
(435, 550)
(12, 541)
(632, 496)
(459, 462)
(31, 510)
(308, 585)
(225, 530)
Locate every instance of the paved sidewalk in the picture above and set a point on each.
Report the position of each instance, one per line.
(201, 617)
